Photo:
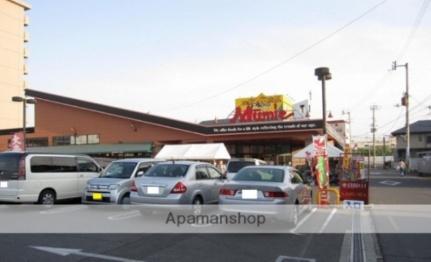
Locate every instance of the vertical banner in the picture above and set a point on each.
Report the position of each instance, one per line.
(322, 163)
(347, 158)
(321, 168)
(16, 143)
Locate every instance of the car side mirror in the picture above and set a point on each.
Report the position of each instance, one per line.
(140, 173)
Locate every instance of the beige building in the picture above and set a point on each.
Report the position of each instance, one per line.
(13, 54)
(342, 128)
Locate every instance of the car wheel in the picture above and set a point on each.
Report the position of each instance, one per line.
(125, 200)
(47, 197)
(197, 205)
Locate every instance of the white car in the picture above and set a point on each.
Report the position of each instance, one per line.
(44, 178)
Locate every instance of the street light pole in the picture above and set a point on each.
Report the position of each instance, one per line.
(323, 74)
(24, 120)
(405, 102)
(24, 100)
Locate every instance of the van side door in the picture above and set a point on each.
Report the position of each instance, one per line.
(56, 172)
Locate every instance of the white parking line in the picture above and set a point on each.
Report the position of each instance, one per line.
(390, 183)
(393, 224)
(201, 225)
(128, 215)
(299, 259)
(303, 220)
(62, 210)
(328, 219)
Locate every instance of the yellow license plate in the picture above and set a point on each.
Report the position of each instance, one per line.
(97, 196)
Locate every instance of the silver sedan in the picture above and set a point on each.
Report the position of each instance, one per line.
(178, 183)
(262, 189)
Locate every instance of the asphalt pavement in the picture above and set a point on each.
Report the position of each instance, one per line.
(387, 187)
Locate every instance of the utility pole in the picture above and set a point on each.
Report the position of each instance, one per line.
(384, 152)
(405, 102)
(368, 169)
(373, 130)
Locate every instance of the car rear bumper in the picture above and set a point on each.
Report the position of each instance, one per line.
(277, 207)
(171, 199)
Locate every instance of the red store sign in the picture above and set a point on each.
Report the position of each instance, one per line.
(354, 190)
(255, 115)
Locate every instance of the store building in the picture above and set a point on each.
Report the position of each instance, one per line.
(69, 125)
(13, 55)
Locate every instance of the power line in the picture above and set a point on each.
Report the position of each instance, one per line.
(381, 82)
(415, 27)
(285, 61)
(411, 110)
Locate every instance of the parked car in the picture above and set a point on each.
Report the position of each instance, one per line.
(178, 182)
(254, 186)
(44, 178)
(235, 164)
(113, 184)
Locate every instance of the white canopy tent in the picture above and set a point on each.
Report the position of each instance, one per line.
(332, 151)
(215, 151)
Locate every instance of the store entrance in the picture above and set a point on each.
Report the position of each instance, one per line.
(278, 152)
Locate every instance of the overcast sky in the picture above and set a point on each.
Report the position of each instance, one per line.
(168, 57)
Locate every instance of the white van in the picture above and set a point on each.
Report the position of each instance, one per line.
(44, 178)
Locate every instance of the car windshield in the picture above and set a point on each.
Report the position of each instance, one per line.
(119, 170)
(235, 166)
(260, 174)
(168, 170)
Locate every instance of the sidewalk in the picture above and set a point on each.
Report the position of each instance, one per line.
(392, 172)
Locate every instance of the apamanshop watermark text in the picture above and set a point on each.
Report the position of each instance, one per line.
(216, 219)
